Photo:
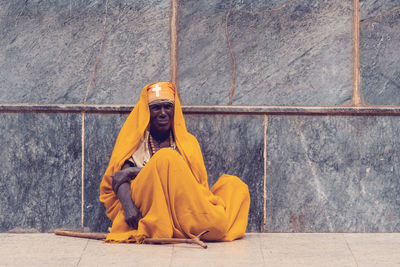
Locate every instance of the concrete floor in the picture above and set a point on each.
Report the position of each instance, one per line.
(255, 249)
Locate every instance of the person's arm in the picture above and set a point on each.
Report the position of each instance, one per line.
(122, 187)
(132, 213)
(125, 175)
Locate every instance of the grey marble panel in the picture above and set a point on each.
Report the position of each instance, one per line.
(40, 174)
(101, 131)
(379, 52)
(333, 174)
(292, 53)
(234, 145)
(371, 9)
(286, 52)
(205, 66)
(136, 51)
(49, 50)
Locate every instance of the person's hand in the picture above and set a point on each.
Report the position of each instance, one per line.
(123, 176)
(132, 216)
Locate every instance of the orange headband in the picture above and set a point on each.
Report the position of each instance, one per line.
(161, 91)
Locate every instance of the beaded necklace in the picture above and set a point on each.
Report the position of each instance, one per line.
(153, 150)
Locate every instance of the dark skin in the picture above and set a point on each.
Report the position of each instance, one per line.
(161, 121)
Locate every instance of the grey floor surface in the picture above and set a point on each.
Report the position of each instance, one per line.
(256, 249)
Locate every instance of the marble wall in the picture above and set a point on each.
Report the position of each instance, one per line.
(71, 51)
(101, 132)
(333, 174)
(40, 172)
(273, 52)
(380, 57)
(319, 173)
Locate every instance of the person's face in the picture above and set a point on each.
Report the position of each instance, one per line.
(161, 117)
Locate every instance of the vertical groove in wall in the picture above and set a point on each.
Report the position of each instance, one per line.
(232, 89)
(265, 171)
(82, 168)
(174, 44)
(356, 98)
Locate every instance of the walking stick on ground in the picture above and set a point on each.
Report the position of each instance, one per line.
(98, 236)
(195, 240)
(101, 236)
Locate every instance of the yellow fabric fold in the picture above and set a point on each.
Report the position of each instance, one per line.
(172, 191)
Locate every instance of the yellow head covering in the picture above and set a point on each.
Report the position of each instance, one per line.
(160, 92)
(130, 135)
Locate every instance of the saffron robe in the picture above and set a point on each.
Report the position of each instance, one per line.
(172, 190)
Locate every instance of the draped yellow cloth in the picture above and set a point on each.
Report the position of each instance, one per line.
(171, 190)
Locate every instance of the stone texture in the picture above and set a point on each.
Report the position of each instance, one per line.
(298, 54)
(379, 55)
(136, 51)
(49, 50)
(374, 249)
(234, 145)
(101, 132)
(261, 249)
(40, 174)
(370, 9)
(316, 249)
(333, 174)
(205, 66)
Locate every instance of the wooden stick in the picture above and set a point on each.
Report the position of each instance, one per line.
(101, 236)
(97, 236)
(195, 240)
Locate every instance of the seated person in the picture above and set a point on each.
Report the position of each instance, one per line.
(156, 185)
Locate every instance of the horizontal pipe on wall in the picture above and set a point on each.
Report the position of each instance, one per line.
(207, 109)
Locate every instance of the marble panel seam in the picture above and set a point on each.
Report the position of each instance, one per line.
(174, 45)
(343, 110)
(265, 171)
(83, 170)
(232, 90)
(356, 97)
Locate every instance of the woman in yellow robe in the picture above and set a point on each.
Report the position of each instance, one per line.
(156, 185)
